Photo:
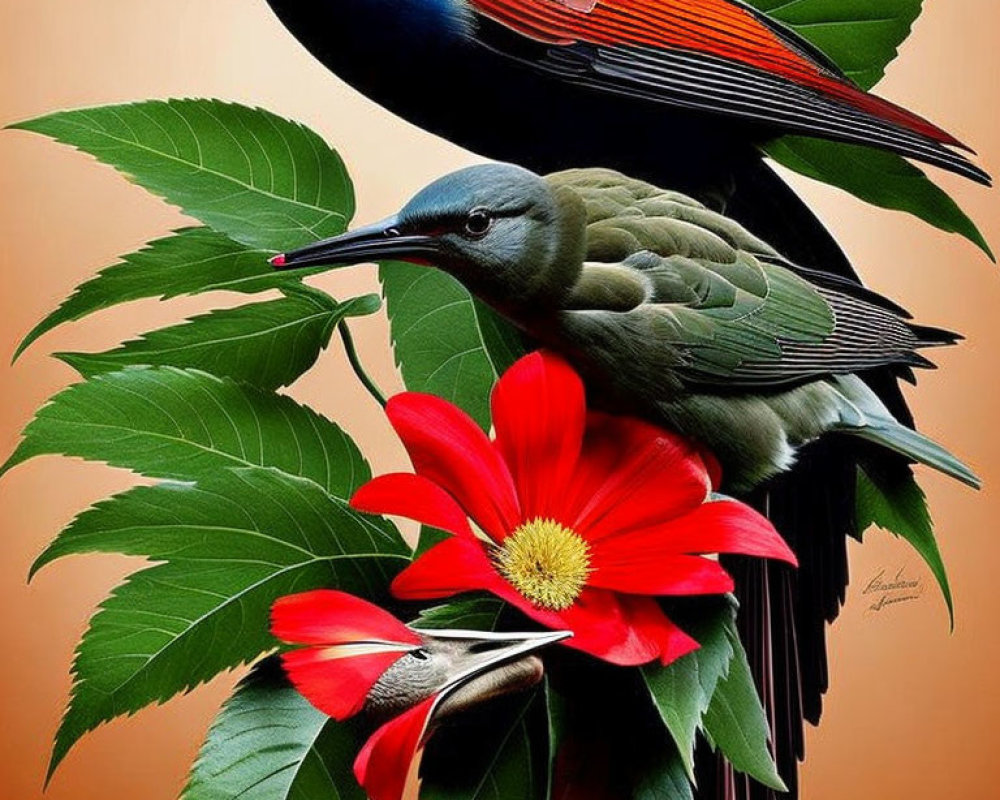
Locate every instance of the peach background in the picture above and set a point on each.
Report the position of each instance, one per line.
(912, 710)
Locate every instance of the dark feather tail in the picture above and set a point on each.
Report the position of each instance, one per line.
(784, 612)
(927, 336)
(935, 337)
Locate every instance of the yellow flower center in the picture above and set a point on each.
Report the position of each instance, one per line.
(546, 562)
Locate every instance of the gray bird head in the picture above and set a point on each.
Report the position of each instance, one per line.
(504, 232)
(463, 668)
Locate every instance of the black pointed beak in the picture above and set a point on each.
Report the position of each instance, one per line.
(381, 241)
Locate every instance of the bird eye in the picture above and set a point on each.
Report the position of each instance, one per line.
(478, 222)
(391, 233)
(420, 655)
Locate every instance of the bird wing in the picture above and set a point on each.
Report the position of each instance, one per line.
(746, 322)
(715, 56)
(722, 306)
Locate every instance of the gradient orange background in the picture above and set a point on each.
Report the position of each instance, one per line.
(912, 710)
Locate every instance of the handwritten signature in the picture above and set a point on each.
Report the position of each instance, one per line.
(888, 589)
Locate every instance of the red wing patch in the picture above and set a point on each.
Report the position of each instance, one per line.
(714, 27)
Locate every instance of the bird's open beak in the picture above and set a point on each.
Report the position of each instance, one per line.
(490, 665)
(381, 241)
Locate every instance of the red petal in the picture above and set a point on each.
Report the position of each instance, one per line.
(599, 624)
(646, 616)
(413, 497)
(624, 564)
(726, 526)
(451, 567)
(337, 684)
(389, 756)
(539, 412)
(328, 617)
(623, 630)
(448, 448)
(601, 627)
(633, 474)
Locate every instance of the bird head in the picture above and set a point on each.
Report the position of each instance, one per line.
(463, 668)
(504, 232)
(357, 657)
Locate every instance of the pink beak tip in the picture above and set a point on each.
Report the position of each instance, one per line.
(278, 260)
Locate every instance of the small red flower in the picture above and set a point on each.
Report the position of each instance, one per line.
(350, 645)
(583, 516)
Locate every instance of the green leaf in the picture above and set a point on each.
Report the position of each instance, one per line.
(736, 724)
(664, 777)
(429, 537)
(445, 342)
(186, 425)
(190, 261)
(230, 546)
(683, 690)
(268, 743)
(860, 36)
(266, 344)
(899, 506)
(477, 614)
(881, 178)
(558, 721)
(258, 178)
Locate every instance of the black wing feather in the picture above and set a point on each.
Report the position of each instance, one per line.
(710, 84)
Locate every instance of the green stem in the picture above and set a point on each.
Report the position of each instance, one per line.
(359, 370)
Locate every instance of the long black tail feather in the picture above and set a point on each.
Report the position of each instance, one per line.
(784, 612)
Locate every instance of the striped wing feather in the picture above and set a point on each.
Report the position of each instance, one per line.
(736, 313)
(720, 57)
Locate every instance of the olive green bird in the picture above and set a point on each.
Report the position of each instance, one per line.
(668, 310)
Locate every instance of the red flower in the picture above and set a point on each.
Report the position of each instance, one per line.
(351, 644)
(584, 516)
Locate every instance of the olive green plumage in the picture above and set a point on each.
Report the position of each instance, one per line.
(667, 308)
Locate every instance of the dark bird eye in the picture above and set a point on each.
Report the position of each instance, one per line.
(478, 222)
(420, 655)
